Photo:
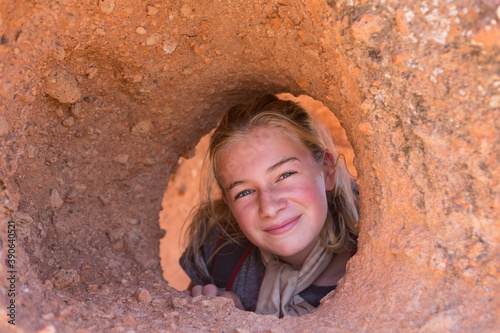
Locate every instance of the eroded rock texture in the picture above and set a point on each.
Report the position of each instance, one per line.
(100, 98)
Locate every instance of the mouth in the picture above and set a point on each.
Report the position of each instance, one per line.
(284, 226)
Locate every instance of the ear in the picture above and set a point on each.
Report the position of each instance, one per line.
(329, 169)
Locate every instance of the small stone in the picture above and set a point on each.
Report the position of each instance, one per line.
(498, 12)
(152, 10)
(132, 221)
(366, 26)
(188, 12)
(365, 128)
(140, 30)
(22, 218)
(149, 161)
(59, 111)
(92, 287)
(71, 196)
(399, 58)
(65, 278)
(495, 101)
(68, 122)
(153, 39)
(92, 72)
(48, 316)
(100, 32)
(170, 46)
(142, 128)
(129, 320)
(187, 71)
(47, 329)
(31, 152)
(62, 86)
(59, 53)
(107, 6)
(55, 199)
(80, 187)
(121, 158)
(137, 78)
(105, 289)
(143, 295)
(401, 22)
(4, 127)
(76, 110)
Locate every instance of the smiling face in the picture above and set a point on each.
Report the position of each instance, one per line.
(276, 191)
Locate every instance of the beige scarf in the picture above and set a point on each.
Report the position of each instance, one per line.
(279, 292)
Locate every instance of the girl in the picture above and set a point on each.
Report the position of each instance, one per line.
(278, 236)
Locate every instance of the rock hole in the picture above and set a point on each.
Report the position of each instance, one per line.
(182, 193)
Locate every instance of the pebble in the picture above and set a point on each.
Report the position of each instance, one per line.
(68, 122)
(31, 151)
(152, 10)
(47, 329)
(62, 86)
(142, 128)
(4, 127)
(153, 39)
(143, 295)
(59, 53)
(366, 26)
(107, 6)
(170, 46)
(100, 32)
(92, 287)
(71, 196)
(55, 199)
(76, 110)
(129, 320)
(140, 30)
(92, 72)
(22, 218)
(59, 111)
(121, 158)
(65, 278)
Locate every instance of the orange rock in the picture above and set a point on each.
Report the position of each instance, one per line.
(488, 36)
(400, 57)
(366, 26)
(402, 23)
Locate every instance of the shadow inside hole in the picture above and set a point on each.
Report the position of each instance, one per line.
(182, 193)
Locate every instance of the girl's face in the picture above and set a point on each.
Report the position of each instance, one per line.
(276, 191)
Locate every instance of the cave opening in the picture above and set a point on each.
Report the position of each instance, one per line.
(182, 193)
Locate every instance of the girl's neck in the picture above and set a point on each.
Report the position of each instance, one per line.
(299, 258)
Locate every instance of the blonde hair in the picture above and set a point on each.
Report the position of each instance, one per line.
(338, 235)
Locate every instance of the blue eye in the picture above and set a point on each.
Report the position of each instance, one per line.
(243, 194)
(286, 175)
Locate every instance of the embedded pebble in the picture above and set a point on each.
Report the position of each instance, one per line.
(92, 287)
(153, 39)
(55, 200)
(47, 329)
(152, 10)
(68, 122)
(107, 6)
(143, 295)
(59, 111)
(22, 218)
(31, 152)
(121, 158)
(170, 46)
(100, 32)
(65, 278)
(4, 127)
(71, 196)
(140, 30)
(92, 72)
(129, 320)
(142, 128)
(59, 53)
(76, 110)
(62, 86)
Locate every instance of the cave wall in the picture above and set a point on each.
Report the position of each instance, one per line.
(99, 99)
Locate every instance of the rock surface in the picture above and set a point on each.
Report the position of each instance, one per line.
(415, 86)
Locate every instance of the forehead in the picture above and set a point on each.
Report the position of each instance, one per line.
(258, 149)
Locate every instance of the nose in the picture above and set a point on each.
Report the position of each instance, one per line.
(270, 203)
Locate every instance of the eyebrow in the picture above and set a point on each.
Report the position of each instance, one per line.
(270, 169)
